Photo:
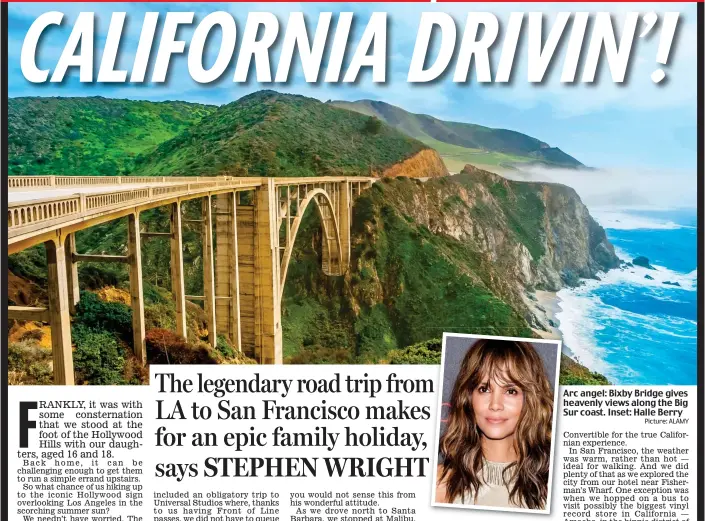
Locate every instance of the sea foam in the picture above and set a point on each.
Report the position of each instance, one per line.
(616, 220)
(617, 340)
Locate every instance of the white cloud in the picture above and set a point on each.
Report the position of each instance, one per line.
(621, 188)
(639, 94)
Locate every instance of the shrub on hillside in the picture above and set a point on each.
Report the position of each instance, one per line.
(428, 352)
(160, 316)
(573, 373)
(135, 373)
(98, 358)
(163, 338)
(96, 276)
(241, 358)
(588, 378)
(374, 334)
(29, 364)
(29, 264)
(153, 294)
(196, 326)
(166, 347)
(113, 317)
(224, 347)
(32, 334)
(317, 354)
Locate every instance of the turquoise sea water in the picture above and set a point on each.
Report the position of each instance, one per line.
(632, 329)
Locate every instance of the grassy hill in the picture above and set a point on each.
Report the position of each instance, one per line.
(462, 143)
(262, 134)
(251, 136)
(90, 136)
(272, 134)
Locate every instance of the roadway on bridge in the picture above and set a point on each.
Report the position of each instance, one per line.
(23, 195)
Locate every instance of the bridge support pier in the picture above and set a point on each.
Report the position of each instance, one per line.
(134, 254)
(344, 204)
(227, 280)
(59, 319)
(177, 269)
(208, 269)
(268, 331)
(74, 293)
(245, 223)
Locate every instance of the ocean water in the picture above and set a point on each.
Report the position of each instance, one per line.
(627, 327)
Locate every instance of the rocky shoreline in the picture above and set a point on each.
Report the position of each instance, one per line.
(545, 305)
(545, 309)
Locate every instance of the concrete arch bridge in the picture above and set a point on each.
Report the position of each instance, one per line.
(248, 227)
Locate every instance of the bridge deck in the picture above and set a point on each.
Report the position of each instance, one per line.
(38, 206)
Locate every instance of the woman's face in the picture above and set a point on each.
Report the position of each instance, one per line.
(497, 407)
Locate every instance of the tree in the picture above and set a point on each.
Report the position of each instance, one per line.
(373, 125)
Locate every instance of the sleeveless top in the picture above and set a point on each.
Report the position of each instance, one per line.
(493, 492)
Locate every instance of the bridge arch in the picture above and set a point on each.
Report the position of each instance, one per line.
(331, 243)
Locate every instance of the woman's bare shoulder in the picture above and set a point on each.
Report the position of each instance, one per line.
(441, 492)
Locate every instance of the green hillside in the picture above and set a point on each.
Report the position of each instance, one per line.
(457, 253)
(251, 136)
(407, 284)
(90, 136)
(272, 134)
(461, 143)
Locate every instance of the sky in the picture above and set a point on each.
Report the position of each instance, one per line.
(638, 125)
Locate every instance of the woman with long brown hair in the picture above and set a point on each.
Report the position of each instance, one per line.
(497, 445)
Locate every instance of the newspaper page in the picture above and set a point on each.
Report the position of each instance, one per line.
(352, 262)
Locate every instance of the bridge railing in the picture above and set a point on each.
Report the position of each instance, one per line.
(20, 214)
(35, 181)
(29, 182)
(290, 181)
(31, 215)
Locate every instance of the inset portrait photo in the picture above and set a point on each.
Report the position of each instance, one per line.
(496, 423)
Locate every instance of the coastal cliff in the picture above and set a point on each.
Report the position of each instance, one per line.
(426, 163)
(460, 253)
